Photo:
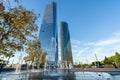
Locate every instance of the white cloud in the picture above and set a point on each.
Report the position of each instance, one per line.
(117, 34)
(90, 43)
(75, 42)
(108, 42)
(114, 39)
(83, 51)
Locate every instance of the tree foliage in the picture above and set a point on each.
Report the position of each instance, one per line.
(16, 25)
(108, 60)
(35, 55)
(117, 58)
(112, 59)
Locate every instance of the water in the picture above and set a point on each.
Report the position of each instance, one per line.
(46, 63)
(18, 68)
(93, 76)
(57, 74)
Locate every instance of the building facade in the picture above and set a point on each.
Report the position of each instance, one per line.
(66, 51)
(48, 35)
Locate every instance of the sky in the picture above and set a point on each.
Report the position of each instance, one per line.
(94, 25)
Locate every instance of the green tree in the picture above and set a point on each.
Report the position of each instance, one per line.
(108, 60)
(117, 58)
(16, 24)
(35, 55)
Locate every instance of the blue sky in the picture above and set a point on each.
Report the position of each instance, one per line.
(94, 25)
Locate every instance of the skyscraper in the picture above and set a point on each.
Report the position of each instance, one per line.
(49, 35)
(66, 52)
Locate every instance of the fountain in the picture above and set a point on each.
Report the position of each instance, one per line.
(18, 68)
(61, 73)
(52, 43)
(70, 66)
(45, 66)
(57, 74)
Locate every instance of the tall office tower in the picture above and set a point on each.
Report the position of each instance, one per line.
(48, 36)
(66, 52)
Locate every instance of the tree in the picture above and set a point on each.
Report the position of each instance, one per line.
(35, 55)
(117, 58)
(108, 60)
(16, 24)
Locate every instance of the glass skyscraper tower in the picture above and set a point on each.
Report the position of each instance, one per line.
(48, 35)
(66, 52)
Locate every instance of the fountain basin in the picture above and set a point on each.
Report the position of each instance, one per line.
(58, 74)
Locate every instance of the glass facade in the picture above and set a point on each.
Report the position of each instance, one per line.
(48, 35)
(66, 52)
